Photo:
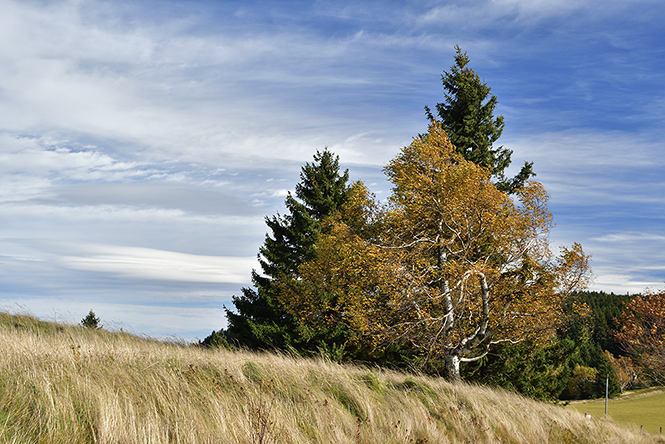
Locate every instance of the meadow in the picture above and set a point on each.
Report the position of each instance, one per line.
(640, 410)
(67, 384)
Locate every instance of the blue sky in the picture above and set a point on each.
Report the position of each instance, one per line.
(143, 143)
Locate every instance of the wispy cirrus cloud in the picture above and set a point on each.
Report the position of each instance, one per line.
(630, 237)
(54, 263)
(150, 264)
(482, 13)
(156, 89)
(48, 157)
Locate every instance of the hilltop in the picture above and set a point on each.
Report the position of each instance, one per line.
(68, 384)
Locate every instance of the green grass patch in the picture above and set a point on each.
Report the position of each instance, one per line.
(646, 410)
(348, 400)
(372, 381)
(253, 372)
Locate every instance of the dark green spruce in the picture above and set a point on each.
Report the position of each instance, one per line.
(260, 320)
(467, 114)
(91, 321)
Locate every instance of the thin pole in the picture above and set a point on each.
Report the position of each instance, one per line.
(607, 391)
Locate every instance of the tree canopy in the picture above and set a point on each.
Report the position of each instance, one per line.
(642, 332)
(450, 267)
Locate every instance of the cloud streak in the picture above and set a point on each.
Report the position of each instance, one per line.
(151, 264)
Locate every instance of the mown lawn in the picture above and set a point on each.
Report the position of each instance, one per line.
(646, 410)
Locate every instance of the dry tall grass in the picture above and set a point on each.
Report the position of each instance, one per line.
(61, 384)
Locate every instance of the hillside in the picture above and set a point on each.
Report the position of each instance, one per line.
(63, 384)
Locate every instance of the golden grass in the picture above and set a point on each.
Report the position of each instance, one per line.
(63, 384)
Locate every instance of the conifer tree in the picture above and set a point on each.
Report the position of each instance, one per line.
(260, 320)
(91, 321)
(467, 116)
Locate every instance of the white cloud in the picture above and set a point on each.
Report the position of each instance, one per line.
(44, 157)
(149, 264)
(481, 13)
(163, 94)
(588, 149)
(594, 168)
(622, 283)
(629, 237)
(142, 263)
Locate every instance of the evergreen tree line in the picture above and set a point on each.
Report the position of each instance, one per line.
(333, 263)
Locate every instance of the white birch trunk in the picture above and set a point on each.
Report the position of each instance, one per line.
(453, 367)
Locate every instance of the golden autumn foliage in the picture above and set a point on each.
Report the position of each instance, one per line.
(643, 332)
(449, 267)
(627, 372)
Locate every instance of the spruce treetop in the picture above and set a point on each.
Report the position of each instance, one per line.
(467, 116)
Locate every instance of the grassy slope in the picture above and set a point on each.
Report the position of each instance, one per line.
(69, 385)
(646, 410)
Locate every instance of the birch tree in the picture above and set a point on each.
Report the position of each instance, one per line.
(453, 266)
(479, 262)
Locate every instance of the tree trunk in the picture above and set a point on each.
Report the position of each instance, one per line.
(452, 366)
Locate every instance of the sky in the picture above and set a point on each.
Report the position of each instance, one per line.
(142, 144)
